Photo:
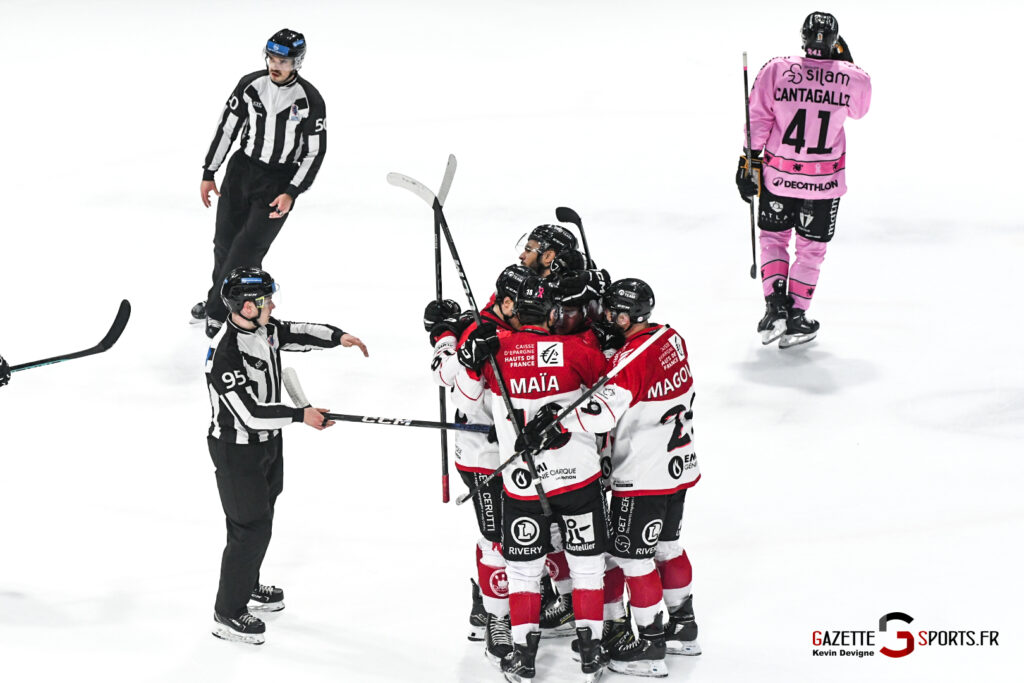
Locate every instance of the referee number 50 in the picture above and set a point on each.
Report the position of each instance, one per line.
(320, 125)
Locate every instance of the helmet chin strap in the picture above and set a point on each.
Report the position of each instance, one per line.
(256, 319)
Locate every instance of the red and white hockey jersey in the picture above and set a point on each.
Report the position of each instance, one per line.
(650, 406)
(540, 368)
(473, 452)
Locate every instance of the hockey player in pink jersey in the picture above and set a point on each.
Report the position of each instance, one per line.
(798, 106)
(649, 405)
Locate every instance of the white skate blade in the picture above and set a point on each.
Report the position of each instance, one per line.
(590, 678)
(649, 668)
(790, 340)
(476, 633)
(515, 678)
(196, 321)
(562, 631)
(690, 648)
(256, 606)
(492, 659)
(225, 633)
(777, 329)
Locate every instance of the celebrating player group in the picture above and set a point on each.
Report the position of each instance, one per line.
(556, 327)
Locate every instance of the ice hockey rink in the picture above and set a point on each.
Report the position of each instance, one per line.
(871, 471)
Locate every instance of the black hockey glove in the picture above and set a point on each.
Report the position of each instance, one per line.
(440, 317)
(749, 187)
(568, 261)
(841, 51)
(535, 437)
(5, 372)
(481, 344)
(609, 335)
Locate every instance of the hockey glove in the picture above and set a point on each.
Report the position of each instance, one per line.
(481, 344)
(536, 436)
(841, 51)
(567, 262)
(609, 335)
(5, 372)
(749, 187)
(440, 317)
(578, 288)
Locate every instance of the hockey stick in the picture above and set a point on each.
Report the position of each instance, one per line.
(562, 415)
(750, 170)
(566, 215)
(413, 185)
(290, 379)
(113, 334)
(435, 202)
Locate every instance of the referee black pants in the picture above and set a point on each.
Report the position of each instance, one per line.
(244, 229)
(249, 479)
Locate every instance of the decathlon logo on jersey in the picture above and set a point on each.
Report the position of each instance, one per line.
(579, 531)
(549, 355)
(525, 531)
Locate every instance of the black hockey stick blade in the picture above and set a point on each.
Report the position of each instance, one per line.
(113, 334)
(566, 215)
(753, 271)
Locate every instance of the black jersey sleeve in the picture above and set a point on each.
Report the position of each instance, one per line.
(313, 136)
(231, 120)
(307, 336)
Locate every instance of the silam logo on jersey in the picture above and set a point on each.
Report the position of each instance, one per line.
(549, 354)
(651, 532)
(525, 530)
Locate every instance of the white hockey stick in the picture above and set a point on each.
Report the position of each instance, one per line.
(421, 190)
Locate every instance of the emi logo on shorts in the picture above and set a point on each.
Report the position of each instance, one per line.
(579, 529)
(549, 354)
(525, 531)
(651, 532)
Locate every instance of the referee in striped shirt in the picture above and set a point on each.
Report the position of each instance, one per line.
(243, 377)
(283, 122)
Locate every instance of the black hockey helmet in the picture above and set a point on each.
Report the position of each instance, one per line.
(287, 43)
(551, 236)
(631, 296)
(247, 283)
(819, 34)
(535, 300)
(509, 282)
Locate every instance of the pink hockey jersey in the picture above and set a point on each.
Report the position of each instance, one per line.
(540, 368)
(797, 109)
(649, 404)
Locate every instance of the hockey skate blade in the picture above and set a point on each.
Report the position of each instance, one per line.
(224, 633)
(563, 631)
(777, 329)
(790, 340)
(256, 606)
(689, 648)
(596, 676)
(496, 661)
(649, 668)
(476, 633)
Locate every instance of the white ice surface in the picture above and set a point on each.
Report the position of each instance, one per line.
(872, 471)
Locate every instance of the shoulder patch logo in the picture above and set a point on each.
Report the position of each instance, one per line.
(550, 355)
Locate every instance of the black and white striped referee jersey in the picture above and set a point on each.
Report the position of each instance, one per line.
(282, 126)
(243, 377)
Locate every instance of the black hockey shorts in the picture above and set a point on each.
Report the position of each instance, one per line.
(813, 219)
(581, 516)
(487, 504)
(639, 522)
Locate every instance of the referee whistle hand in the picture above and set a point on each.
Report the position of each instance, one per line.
(205, 188)
(314, 417)
(348, 340)
(282, 203)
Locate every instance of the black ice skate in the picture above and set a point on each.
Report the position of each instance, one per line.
(244, 628)
(638, 657)
(557, 619)
(521, 664)
(591, 658)
(266, 599)
(498, 640)
(213, 327)
(198, 313)
(681, 634)
(477, 616)
(615, 634)
(799, 329)
(776, 311)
